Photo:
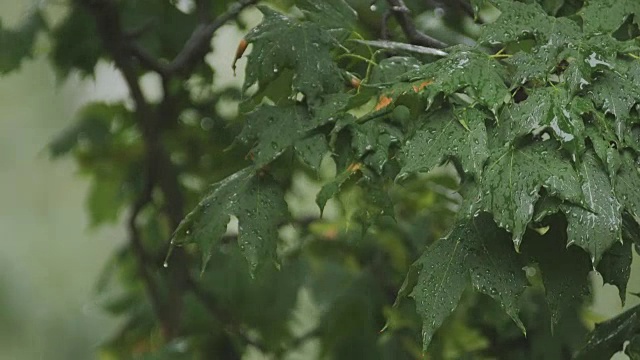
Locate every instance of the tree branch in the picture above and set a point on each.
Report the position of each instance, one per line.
(199, 43)
(142, 257)
(415, 36)
(158, 165)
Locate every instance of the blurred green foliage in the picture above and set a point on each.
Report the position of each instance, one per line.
(320, 285)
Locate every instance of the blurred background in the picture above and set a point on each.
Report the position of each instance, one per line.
(51, 258)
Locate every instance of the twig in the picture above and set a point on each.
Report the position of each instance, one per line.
(199, 43)
(414, 35)
(394, 45)
(147, 60)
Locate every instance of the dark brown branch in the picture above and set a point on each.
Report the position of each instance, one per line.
(147, 60)
(415, 36)
(158, 171)
(199, 44)
(142, 257)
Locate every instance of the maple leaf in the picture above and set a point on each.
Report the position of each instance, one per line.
(257, 202)
(464, 70)
(616, 95)
(594, 230)
(513, 178)
(607, 16)
(445, 133)
(306, 51)
(331, 14)
(564, 294)
(549, 108)
(274, 129)
(18, 43)
(475, 253)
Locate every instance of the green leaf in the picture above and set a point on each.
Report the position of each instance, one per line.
(372, 141)
(606, 16)
(106, 199)
(331, 14)
(615, 267)
(519, 21)
(441, 278)
(607, 153)
(551, 6)
(306, 51)
(627, 183)
(93, 129)
(594, 230)
(564, 270)
(312, 150)
(390, 69)
(616, 95)
(609, 336)
(633, 348)
(274, 129)
(330, 189)
(475, 252)
(17, 44)
(464, 70)
(495, 268)
(513, 178)
(445, 134)
(258, 203)
(549, 108)
(76, 43)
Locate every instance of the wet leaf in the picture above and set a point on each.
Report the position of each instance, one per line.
(306, 51)
(566, 293)
(331, 14)
(607, 15)
(469, 255)
(597, 229)
(445, 134)
(615, 266)
(513, 178)
(258, 203)
(627, 184)
(465, 70)
(545, 108)
(615, 95)
(609, 336)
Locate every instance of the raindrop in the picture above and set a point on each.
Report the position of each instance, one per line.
(165, 264)
(373, 7)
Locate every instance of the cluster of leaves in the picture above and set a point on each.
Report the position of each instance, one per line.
(544, 135)
(537, 126)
